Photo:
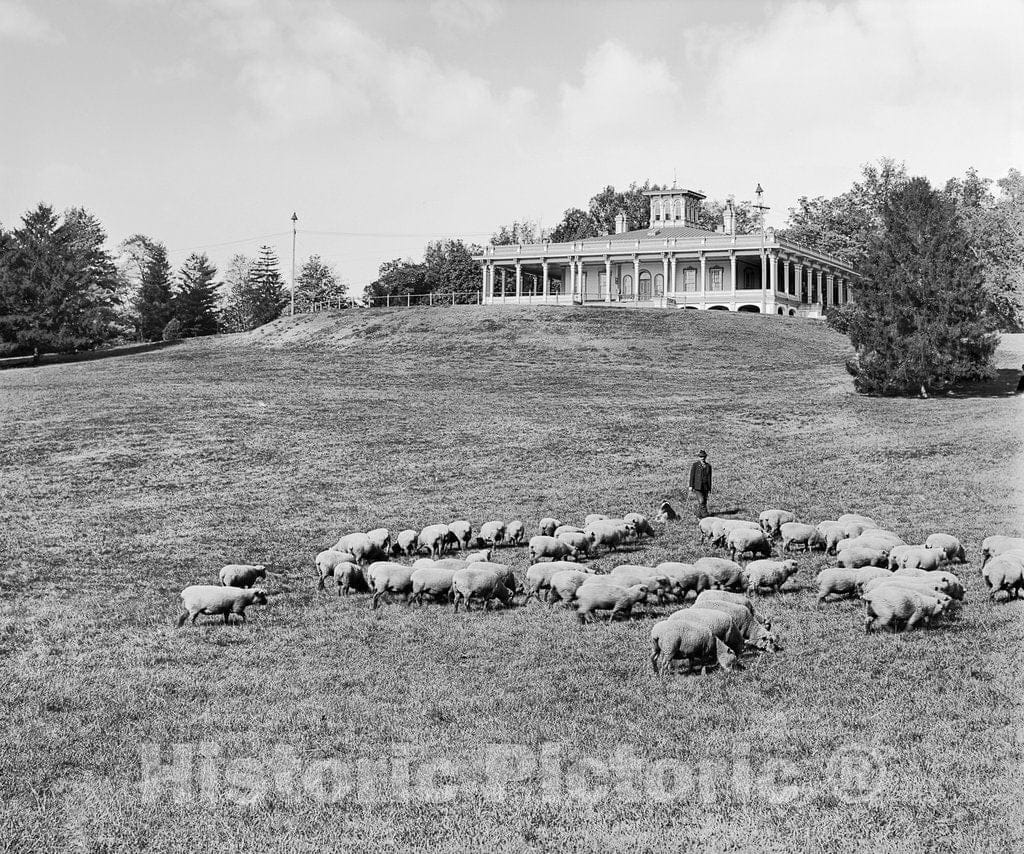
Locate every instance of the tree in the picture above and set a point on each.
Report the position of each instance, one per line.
(398, 277)
(921, 319)
(449, 268)
(231, 294)
(265, 297)
(609, 203)
(58, 285)
(576, 224)
(518, 232)
(712, 212)
(153, 303)
(195, 304)
(318, 283)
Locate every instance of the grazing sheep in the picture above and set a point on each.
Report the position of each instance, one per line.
(666, 513)
(603, 596)
(858, 556)
(799, 534)
(381, 538)
(462, 531)
(578, 540)
(691, 642)
(895, 554)
(431, 581)
(684, 578)
(387, 577)
(515, 533)
(739, 541)
(920, 557)
(884, 541)
(772, 520)
(998, 544)
(769, 574)
(841, 581)
(349, 576)
(855, 529)
(856, 517)
(504, 572)
(212, 599)
(950, 545)
(757, 635)
(628, 574)
(891, 605)
(493, 533)
(406, 542)
(947, 581)
(921, 585)
(706, 526)
(720, 530)
(360, 546)
(242, 574)
(833, 532)
(566, 582)
(567, 529)
(483, 556)
(724, 574)
(552, 548)
(481, 584)
(720, 624)
(611, 536)
(538, 577)
(327, 560)
(1005, 572)
(594, 517)
(548, 525)
(726, 596)
(641, 527)
(436, 539)
(451, 563)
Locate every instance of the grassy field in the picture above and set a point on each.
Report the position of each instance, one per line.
(321, 724)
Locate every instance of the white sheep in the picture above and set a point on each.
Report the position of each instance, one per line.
(515, 533)
(842, 581)
(772, 520)
(462, 530)
(706, 527)
(890, 604)
(726, 596)
(566, 529)
(432, 581)
(950, 545)
(799, 534)
(684, 578)
(381, 538)
(504, 572)
(740, 541)
(436, 539)
(720, 623)
(641, 527)
(875, 538)
(1005, 572)
(724, 574)
(387, 577)
(550, 547)
(594, 517)
(921, 585)
(213, 599)
(720, 530)
(628, 574)
(858, 556)
(756, 634)
(833, 532)
(998, 544)
(608, 533)
(856, 517)
(481, 584)
(242, 574)
(483, 555)
(921, 557)
(548, 525)
(538, 577)
(582, 542)
(327, 560)
(608, 597)
(948, 582)
(564, 584)
(349, 576)
(360, 546)
(452, 563)
(493, 532)
(769, 574)
(690, 641)
(406, 542)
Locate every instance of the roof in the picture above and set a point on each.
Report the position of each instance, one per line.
(664, 231)
(675, 191)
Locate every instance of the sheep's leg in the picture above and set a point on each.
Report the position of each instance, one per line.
(376, 600)
(181, 618)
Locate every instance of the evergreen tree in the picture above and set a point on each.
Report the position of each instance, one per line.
(195, 305)
(264, 297)
(231, 294)
(920, 320)
(318, 283)
(153, 304)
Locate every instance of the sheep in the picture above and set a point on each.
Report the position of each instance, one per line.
(628, 574)
(493, 533)
(462, 531)
(436, 539)
(348, 576)
(592, 597)
(771, 520)
(578, 540)
(706, 527)
(770, 574)
(997, 544)
(855, 529)
(739, 541)
(566, 529)
(451, 563)
(641, 526)
(666, 513)
(406, 542)
(327, 560)
(919, 557)
(213, 599)
(360, 546)
(381, 538)
(726, 596)
(594, 517)
(890, 604)
(689, 641)
(684, 577)
(724, 574)
(603, 534)
(720, 624)
(833, 532)
(515, 533)
(387, 577)
(550, 547)
(895, 554)
(478, 583)
(884, 541)
(538, 577)
(720, 530)
(797, 533)
(431, 581)
(947, 581)
(504, 572)
(858, 556)
(483, 556)
(841, 581)
(548, 525)
(1005, 572)
(921, 585)
(856, 517)
(565, 583)
(757, 635)
(950, 545)
(242, 574)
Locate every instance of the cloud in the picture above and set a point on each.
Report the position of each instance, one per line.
(20, 23)
(465, 15)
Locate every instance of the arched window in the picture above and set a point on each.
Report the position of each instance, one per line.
(627, 285)
(677, 212)
(645, 284)
(657, 210)
(659, 285)
(781, 310)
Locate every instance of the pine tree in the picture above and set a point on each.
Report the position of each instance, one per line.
(153, 304)
(920, 319)
(318, 283)
(195, 305)
(264, 296)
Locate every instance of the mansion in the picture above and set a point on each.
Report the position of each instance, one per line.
(673, 263)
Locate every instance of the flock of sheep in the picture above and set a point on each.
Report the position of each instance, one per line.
(902, 585)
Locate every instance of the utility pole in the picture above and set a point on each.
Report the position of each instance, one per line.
(295, 228)
(761, 207)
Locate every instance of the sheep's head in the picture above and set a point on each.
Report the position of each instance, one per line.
(789, 567)
(727, 659)
(259, 597)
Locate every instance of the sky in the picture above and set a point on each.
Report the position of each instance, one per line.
(206, 123)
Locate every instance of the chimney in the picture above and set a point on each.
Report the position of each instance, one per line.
(620, 223)
(729, 216)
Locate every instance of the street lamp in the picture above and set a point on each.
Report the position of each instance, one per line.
(761, 207)
(295, 228)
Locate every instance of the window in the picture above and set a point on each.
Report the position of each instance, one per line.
(690, 279)
(748, 278)
(645, 284)
(716, 279)
(659, 285)
(677, 213)
(627, 285)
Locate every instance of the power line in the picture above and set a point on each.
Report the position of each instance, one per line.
(232, 242)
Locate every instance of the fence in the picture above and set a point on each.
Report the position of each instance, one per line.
(417, 300)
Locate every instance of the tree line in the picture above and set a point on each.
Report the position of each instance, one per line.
(61, 290)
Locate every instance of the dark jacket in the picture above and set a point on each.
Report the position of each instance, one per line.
(700, 477)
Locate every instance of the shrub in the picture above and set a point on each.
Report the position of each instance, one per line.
(172, 331)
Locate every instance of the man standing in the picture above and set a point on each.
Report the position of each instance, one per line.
(700, 483)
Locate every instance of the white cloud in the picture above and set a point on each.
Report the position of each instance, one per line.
(20, 23)
(465, 15)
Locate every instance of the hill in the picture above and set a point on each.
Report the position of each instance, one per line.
(126, 479)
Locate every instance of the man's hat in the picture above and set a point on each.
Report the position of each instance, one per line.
(702, 453)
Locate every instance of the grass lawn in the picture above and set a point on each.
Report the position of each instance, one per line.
(321, 724)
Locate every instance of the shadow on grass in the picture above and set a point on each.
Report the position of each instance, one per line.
(1003, 384)
(84, 356)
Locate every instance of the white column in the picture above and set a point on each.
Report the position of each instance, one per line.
(773, 282)
(703, 278)
(830, 283)
(821, 284)
(673, 276)
(732, 271)
(798, 273)
(483, 283)
(519, 282)
(664, 276)
(785, 275)
(607, 279)
(545, 287)
(503, 283)
(636, 280)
